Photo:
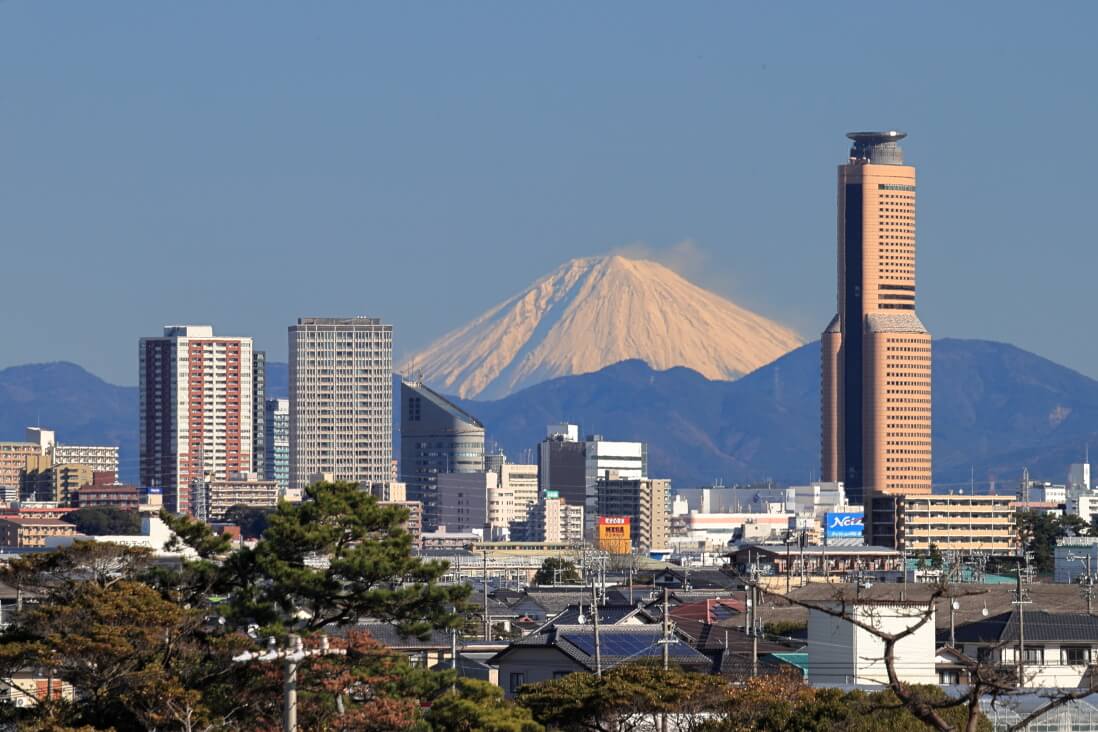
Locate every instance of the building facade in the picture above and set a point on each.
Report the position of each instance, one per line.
(515, 494)
(628, 460)
(461, 502)
(962, 523)
(259, 413)
(195, 396)
(876, 367)
(554, 520)
(562, 464)
(276, 442)
(13, 460)
(645, 501)
(48, 482)
(341, 400)
(216, 497)
(436, 437)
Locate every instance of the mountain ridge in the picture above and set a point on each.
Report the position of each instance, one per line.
(997, 408)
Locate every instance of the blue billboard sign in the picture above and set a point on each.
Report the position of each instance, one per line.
(843, 525)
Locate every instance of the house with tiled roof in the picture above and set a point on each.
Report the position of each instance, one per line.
(1058, 650)
(566, 649)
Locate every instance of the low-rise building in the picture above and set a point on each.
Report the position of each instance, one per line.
(554, 520)
(122, 497)
(840, 652)
(212, 499)
(27, 531)
(414, 523)
(1074, 557)
(1059, 650)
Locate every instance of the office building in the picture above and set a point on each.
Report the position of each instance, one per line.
(876, 368)
(562, 464)
(645, 501)
(628, 460)
(554, 520)
(436, 437)
(341, 400)
(259, 413)
(195, 396)
(461, 502)
(276, 442)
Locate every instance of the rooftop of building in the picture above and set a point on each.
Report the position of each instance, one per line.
(356, 320)
(618, 644)
(1041, 626)
(440, 401)
(34, 521)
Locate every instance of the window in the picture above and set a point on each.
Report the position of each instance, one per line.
(947, 678)
(1035, 655)
(517, 679)
(1075, 655)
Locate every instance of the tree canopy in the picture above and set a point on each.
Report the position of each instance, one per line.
(104, 521)
(554, 571)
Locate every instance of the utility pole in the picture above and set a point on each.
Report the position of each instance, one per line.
(595, 620)
(1086, 581)
(1021, 599)
(666, 633)
(487, 620)
(755, 619)
(788, 559)
(291, 657)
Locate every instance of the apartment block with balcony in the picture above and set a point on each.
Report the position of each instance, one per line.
(953, 522)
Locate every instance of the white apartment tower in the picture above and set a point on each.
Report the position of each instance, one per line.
(341, 400)
(195, 410)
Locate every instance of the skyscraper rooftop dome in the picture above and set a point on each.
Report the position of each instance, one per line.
(880, 148)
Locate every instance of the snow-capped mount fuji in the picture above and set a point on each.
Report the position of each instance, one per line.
(591, 313)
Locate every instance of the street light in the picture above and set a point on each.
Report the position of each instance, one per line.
(294, 653)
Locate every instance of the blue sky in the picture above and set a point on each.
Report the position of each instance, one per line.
(245, 163)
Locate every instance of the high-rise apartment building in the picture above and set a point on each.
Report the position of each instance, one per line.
(436, 437)
(647, 502)
(276, 451)
(876, 364)
(196, 410)
(341, 400)
(259, 413)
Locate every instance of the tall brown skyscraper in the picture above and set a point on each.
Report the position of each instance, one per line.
(875, 352)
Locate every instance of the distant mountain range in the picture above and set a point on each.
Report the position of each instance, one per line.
(996, 409)
(594, 312)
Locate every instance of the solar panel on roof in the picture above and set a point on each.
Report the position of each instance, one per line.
(721, 612)
(628, 644)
